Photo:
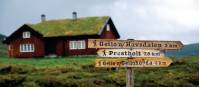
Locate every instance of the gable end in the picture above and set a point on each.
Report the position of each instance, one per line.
(18, 33)
(110, 22)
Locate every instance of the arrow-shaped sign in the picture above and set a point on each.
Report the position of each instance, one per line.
(129, 53)
(136, 44)
(133, 62)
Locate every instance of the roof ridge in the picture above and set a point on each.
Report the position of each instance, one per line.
(71, 19)
(66, 27)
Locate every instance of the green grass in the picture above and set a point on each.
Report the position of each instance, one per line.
(48, 62)
(69, 27)
(81, 72)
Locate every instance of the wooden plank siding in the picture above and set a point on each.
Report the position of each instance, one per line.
(86, 51)
(15, 47)
(107, 34)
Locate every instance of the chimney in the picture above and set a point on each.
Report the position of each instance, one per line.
(43, 17)
(74, 15)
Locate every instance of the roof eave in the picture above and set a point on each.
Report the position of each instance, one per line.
(101, 30)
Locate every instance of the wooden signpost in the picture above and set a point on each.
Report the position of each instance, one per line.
(135, 44)
(133, 62)
(132, 53)
(129, 53)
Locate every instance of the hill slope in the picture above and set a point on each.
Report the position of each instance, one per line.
(2, 37)
(187, 50)
(3, 50)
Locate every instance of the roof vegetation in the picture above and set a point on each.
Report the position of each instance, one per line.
(70, 27)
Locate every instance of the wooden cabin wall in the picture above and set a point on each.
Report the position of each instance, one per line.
(15, 47)
(89, 51)
(86, 51)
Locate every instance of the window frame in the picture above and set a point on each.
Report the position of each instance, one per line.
(27, 48)
(76, 45)
(72, 44)
(26, 34)
(108, 27)
(82, 44)
(9, 47)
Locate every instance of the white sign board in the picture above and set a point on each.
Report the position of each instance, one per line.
(129, 53)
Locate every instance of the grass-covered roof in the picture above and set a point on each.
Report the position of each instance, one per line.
(70, 27)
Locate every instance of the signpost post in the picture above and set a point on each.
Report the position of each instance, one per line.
(132, 53)
(129, 77)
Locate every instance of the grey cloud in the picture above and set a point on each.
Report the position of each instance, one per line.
(136, 19)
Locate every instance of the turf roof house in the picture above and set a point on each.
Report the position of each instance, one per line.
(60, 37)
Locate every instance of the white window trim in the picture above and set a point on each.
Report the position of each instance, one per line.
(72, 44)
(27, 48)
(82, 44)
(107, 27)
(26, 34)
(79, 44)
(9, 48)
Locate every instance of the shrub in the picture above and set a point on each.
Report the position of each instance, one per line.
(30, 84)
(11, 80)
(15, 69)
(89, 67)
(50, 81)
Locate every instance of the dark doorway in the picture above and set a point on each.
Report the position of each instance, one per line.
(50, 46)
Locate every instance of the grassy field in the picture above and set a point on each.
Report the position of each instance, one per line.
(47, 62)
(81, 72)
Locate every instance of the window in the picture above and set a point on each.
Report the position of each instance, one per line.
(107, 27)
(77, 44)
(9, 48)
(27, 48)
(26, 34)
(72, 44)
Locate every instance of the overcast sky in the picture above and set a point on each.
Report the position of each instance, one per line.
(137, 19)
